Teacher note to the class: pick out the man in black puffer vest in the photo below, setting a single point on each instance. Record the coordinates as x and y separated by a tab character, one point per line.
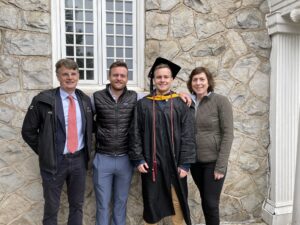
112	170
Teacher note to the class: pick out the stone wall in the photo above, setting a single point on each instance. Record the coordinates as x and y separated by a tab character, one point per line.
25	68
227	36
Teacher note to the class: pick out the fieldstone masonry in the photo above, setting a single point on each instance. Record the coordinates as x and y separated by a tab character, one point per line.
227	36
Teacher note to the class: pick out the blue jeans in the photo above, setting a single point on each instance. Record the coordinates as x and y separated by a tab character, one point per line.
72	171
112	176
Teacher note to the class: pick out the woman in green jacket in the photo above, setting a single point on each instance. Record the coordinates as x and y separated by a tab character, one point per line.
214	136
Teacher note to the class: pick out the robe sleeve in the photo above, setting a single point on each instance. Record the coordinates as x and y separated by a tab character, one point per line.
187	142
135	136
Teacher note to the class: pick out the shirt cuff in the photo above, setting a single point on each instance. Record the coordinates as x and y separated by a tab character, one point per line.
185	167
136	163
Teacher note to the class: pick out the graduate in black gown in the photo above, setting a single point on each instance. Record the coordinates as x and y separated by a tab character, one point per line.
162	146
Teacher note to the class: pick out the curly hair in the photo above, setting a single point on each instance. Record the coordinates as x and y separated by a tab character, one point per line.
209	76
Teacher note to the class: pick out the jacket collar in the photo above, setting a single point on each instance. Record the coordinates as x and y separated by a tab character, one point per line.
48	96
109	91
208	96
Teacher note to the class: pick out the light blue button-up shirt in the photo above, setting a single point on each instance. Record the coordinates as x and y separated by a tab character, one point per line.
65	101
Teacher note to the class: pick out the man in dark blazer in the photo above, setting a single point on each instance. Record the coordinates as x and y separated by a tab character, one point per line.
58	128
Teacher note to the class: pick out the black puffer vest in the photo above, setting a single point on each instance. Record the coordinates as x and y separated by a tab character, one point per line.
113	120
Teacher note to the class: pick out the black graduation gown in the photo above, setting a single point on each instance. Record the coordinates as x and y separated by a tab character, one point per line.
157	195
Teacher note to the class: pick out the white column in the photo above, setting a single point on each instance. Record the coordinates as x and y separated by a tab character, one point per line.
284	109
295	16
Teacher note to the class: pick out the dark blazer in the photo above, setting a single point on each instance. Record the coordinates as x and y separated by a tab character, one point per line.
44	128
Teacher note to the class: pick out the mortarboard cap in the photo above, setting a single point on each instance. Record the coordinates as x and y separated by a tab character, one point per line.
174	69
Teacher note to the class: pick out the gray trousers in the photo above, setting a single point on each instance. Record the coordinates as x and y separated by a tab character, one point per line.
112	177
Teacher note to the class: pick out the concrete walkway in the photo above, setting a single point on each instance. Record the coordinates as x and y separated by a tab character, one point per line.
241	223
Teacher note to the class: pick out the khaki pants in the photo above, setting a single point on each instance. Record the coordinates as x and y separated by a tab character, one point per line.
177	219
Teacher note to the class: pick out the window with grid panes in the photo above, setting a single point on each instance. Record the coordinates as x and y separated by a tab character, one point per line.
96	33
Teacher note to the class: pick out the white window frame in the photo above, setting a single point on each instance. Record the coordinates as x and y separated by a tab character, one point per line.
58	37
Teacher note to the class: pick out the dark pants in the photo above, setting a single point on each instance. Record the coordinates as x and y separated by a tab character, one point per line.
210	190
72	171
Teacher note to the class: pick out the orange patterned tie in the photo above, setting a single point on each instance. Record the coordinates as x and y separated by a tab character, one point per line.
72	139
